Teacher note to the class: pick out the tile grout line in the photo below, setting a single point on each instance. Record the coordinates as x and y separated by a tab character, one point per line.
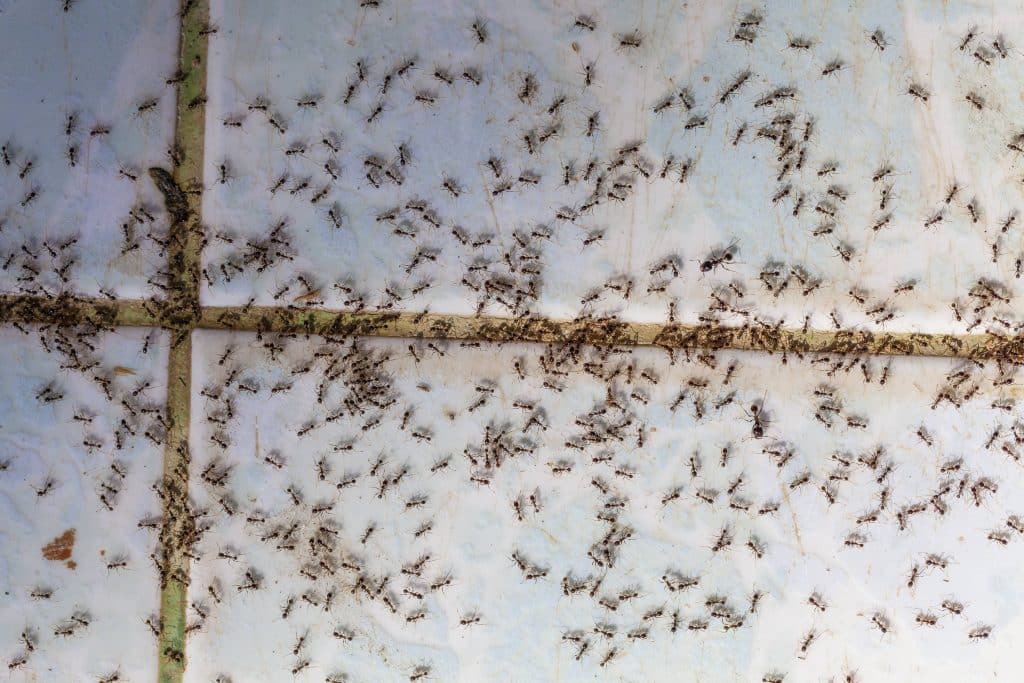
68	310
607	332
183	200
610	332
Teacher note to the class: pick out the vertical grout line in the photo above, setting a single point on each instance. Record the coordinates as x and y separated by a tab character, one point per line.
183	197
178	528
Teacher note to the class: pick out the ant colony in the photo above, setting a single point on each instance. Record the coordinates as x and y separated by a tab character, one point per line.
436	505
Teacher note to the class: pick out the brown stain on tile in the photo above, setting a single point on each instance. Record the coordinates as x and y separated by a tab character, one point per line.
60	548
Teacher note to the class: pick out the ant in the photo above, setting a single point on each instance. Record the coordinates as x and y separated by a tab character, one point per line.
878	38
585	22
760	420
718	257
631	40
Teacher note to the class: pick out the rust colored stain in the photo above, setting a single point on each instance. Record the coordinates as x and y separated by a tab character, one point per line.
59	549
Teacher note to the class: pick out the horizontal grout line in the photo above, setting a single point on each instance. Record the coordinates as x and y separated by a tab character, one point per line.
609	333
66	310
606	332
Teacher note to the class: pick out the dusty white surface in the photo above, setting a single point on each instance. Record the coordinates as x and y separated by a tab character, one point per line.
299	62
103	60
476	528
41	441
99	62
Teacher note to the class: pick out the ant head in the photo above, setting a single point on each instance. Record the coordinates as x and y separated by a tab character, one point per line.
705	266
